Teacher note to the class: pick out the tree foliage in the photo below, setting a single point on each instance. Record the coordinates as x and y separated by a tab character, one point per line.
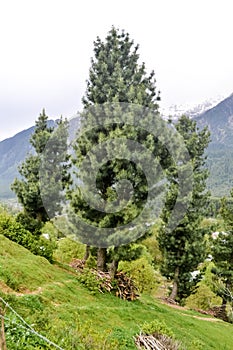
184	247
222	251
115	77
28	187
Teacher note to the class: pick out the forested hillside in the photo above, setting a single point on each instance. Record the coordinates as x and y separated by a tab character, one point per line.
220	150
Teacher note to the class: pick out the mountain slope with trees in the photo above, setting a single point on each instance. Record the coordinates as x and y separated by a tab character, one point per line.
219	121
219	152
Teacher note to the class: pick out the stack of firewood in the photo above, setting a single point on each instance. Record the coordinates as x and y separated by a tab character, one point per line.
106	281
122	285
77	264
126	288
158	342
220	312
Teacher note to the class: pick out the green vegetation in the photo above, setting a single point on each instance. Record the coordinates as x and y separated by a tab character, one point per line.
174	257
52	300
184	248
115	77
50	146
11	228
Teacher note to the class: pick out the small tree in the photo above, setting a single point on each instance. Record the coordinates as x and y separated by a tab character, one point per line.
183	248
28	187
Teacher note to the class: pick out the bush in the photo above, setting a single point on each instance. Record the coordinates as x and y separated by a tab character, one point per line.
90	280
203	298
13	230
43	247
143	274
67	249
157	327
16	232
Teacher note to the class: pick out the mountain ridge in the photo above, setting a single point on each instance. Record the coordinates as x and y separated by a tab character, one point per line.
219	120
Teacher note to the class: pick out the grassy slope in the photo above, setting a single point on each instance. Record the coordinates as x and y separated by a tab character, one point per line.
54	301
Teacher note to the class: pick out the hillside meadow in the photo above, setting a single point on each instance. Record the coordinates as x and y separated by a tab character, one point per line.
51	299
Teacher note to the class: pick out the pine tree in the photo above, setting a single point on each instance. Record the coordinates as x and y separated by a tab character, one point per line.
28	188
115	77
222	251
183	247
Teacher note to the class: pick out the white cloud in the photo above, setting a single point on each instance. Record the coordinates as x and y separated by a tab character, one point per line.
46	48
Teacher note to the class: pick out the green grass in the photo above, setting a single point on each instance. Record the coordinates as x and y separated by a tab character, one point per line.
52	299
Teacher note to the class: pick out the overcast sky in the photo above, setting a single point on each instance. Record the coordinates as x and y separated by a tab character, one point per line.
46	46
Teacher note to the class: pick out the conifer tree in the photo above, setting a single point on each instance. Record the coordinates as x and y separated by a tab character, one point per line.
28	187
116	77
183	247
222	251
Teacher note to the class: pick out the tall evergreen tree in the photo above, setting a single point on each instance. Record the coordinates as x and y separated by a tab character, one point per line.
183	247
115	77
28	188
222	251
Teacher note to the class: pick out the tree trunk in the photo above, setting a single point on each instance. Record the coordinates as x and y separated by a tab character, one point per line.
113	268
222	313
39	216
174	292
87	253
102	259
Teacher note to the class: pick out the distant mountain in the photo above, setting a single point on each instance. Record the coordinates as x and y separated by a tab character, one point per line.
220	151
219	120
13	152
192	110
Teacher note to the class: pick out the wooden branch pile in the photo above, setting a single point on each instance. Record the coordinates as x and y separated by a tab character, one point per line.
215	311
122	284
220	312
77	264
106	281
126	288
155	342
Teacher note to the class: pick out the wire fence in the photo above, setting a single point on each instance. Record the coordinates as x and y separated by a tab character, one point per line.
26	326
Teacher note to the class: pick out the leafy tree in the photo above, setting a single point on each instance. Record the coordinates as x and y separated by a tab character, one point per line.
28	187
115	77
183	248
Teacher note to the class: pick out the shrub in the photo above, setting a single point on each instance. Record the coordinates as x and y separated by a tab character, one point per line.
16	232
157	327
89	280
203	298
67	249
143	274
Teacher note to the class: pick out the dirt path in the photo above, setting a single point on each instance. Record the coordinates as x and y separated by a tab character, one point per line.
178	307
